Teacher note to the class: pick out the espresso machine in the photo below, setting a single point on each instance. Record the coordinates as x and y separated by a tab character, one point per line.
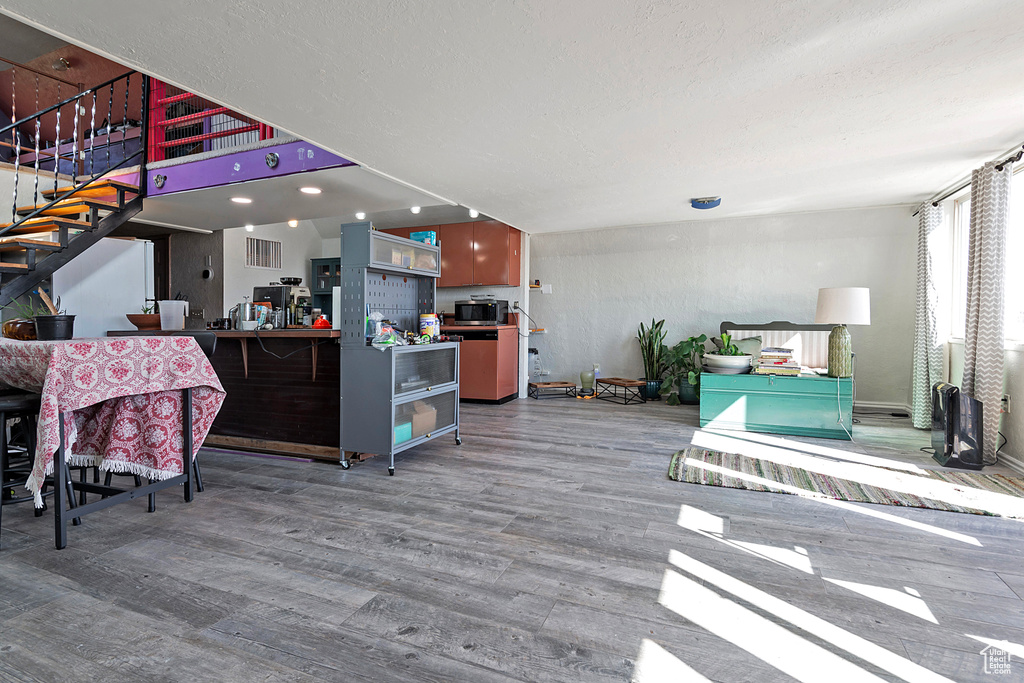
289	299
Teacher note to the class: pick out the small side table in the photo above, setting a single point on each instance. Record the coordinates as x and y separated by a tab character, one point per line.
632	390
534	389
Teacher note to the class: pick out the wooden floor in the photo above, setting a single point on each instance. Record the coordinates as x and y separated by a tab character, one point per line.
550	546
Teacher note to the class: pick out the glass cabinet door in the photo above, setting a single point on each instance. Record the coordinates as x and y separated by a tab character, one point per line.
418	370
326	274
421	417
403	255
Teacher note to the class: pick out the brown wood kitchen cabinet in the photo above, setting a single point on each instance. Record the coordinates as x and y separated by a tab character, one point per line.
476	253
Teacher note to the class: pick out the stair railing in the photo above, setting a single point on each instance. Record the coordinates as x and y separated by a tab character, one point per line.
90	97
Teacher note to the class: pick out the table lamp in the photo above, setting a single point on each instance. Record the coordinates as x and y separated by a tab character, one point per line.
842	306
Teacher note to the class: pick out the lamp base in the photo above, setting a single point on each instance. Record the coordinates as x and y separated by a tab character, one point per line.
840	352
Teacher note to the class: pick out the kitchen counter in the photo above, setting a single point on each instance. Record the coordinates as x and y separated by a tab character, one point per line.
283	390
488	362
305	332
469	328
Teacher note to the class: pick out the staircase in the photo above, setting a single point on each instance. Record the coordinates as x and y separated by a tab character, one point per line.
63	222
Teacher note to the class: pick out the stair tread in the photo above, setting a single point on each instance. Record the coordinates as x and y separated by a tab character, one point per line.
40	223
74	205
29	240
108	187
13	268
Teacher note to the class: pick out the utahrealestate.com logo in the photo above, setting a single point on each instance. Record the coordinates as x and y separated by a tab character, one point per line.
996	661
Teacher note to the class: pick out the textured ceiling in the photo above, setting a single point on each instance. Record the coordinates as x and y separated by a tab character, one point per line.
596	113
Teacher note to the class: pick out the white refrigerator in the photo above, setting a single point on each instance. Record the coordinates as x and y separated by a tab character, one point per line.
110	279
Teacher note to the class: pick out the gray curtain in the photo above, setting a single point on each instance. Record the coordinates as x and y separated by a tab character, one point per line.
927	349
983	341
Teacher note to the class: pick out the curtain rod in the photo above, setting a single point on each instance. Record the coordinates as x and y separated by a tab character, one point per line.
999	167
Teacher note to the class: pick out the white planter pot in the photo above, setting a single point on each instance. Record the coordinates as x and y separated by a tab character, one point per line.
713	360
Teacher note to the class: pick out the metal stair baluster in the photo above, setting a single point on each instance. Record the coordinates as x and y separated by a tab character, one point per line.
92	133
16	139
39	120
74	147
124	121
56	149
110	121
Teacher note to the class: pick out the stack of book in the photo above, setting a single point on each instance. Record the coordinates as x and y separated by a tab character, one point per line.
776	361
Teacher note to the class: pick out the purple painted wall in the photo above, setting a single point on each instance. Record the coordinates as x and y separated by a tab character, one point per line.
241	167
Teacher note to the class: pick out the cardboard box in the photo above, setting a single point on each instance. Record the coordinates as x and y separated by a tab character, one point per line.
424	420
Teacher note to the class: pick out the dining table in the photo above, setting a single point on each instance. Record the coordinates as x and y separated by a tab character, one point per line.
126	405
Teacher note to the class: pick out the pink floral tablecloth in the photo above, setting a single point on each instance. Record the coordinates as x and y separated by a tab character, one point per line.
121	398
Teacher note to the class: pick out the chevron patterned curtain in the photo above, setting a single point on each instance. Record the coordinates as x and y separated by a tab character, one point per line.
983	341
927	349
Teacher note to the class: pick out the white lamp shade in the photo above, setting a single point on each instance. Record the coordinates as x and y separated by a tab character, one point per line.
843	306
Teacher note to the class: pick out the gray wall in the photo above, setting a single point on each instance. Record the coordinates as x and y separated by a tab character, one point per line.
188	259
697	274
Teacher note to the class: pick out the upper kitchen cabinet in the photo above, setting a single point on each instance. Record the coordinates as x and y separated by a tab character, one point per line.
476	253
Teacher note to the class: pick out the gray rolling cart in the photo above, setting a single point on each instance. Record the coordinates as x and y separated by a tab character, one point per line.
400	397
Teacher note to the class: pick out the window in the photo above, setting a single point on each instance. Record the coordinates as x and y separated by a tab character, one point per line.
262	253
1013	317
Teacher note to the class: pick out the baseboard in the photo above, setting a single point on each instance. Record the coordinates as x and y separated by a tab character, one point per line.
881	407
1011	462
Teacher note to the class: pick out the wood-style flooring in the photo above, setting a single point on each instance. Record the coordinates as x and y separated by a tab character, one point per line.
550	546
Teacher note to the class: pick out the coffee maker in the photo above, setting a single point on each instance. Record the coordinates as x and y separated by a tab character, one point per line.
286	298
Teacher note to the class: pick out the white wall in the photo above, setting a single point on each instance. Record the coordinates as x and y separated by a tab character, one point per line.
107	281
747	270
298	246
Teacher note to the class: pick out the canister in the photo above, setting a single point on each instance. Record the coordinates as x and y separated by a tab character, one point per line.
429	325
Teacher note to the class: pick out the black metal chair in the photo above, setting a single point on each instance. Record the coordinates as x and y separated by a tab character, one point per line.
17	454
207	342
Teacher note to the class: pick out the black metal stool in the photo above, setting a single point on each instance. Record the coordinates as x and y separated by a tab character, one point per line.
16	460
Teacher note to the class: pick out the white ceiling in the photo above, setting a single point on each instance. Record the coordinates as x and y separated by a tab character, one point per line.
595	113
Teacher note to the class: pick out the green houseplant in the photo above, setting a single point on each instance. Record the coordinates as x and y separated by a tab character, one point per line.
728	357
652	350
682	379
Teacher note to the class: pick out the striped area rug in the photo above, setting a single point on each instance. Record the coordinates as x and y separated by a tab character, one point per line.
713	468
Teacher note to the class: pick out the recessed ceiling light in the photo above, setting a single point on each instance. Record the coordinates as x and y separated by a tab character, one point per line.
415	209
248	228
241	200
360	215
293	223
473	213
310	190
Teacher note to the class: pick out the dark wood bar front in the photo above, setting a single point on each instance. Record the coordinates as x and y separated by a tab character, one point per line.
283	391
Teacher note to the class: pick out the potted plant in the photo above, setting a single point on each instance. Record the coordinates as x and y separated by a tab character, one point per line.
652	350
50	323
682	377
147	320
56	325
728	358
23	327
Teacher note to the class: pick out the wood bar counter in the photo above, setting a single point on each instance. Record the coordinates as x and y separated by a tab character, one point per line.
288	405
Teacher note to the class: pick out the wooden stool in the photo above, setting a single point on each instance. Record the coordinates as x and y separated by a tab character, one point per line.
632	390
533	389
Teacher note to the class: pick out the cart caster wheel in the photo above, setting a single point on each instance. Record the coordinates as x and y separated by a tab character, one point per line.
345	464
458	441
391	471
